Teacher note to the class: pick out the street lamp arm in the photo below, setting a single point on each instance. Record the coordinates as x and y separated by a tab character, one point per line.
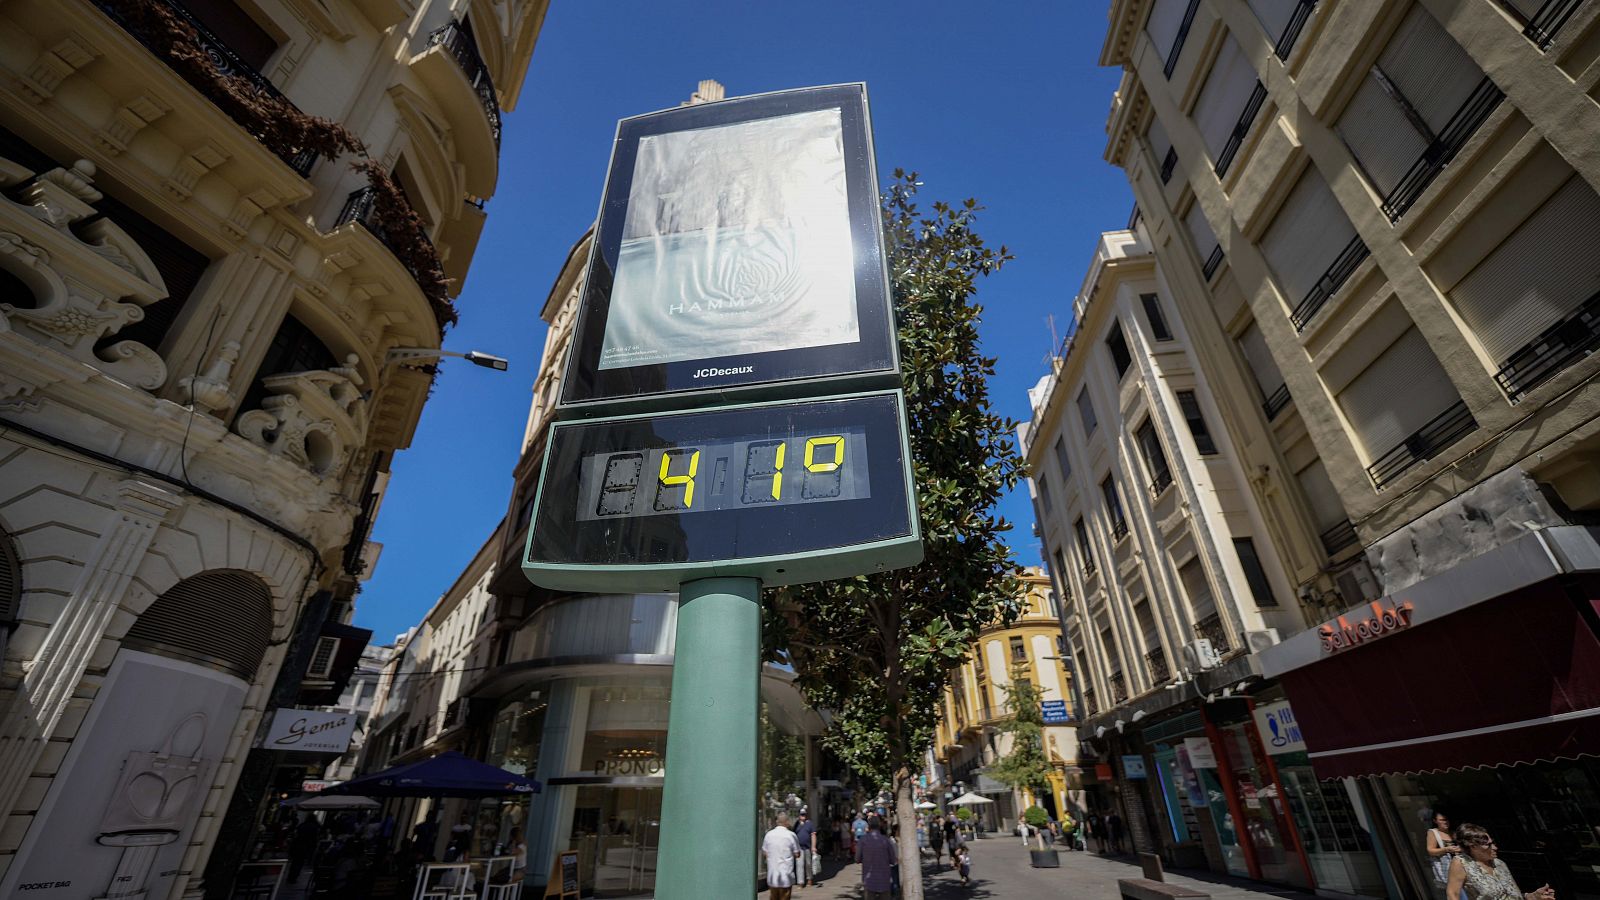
476	357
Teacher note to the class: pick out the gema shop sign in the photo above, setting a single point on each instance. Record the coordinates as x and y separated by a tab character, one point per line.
1376	621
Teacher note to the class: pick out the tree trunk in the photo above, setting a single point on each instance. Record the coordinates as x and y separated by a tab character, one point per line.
910	852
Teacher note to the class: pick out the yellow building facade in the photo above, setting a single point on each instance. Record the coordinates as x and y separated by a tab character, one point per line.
974	707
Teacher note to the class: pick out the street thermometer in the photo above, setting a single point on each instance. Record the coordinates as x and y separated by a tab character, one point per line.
731	415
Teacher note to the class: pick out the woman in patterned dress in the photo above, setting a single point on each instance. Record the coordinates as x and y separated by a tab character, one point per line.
1479	870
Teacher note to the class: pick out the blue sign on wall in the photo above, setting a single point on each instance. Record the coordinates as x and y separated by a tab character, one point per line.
1055	712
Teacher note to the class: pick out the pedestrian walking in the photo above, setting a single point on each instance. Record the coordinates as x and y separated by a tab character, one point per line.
876	853
781	850
302	845
936	839
1114	832
1478	873
952	836
858	830
806	835
961	858
1442	848
1095	827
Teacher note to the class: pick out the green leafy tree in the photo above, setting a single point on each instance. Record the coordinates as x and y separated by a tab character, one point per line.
1025	766
877	650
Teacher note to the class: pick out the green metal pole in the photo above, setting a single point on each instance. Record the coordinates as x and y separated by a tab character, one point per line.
708	806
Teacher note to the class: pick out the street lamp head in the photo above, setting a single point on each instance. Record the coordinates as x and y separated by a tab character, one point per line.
478	358
416	354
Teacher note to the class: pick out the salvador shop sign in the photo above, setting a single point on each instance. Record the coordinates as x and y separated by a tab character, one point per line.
1358	627
310	730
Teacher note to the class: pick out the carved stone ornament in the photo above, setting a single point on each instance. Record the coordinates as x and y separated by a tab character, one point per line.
209	390
313	419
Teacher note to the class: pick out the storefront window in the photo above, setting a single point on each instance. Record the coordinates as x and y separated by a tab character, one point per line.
1265	822
513	746
1337	839
626	735
616	831
1171	782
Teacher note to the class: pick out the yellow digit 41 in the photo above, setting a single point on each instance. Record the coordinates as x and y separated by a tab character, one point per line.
836	441
686	480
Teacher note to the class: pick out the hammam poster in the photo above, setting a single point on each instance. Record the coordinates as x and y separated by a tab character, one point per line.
736	241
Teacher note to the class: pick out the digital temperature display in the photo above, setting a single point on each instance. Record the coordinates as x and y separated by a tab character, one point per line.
783	491
750	471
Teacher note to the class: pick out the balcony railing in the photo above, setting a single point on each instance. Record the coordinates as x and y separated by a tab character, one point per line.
1119	528
1212	262
362	207
1119	688
1088	568
1157	661
1339	537
1183	35
1445	429
1438	154
1562	344
1275	403
1090	702
1291	30
226	62
1343	265
1168	164
1211	629
465	50
1162	481
1252	106
1542	27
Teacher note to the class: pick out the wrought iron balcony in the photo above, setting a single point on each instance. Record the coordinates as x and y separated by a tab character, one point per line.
461	45
1212	263
362	207
1088	566
1292	29
1274	404
1211	629
1090	702
1247	117
1163	480
1157	661
1438	154
1445	429
1541	28
1119	528
1562	344
1183	35
226	62
1168	164
1343	266
1339	537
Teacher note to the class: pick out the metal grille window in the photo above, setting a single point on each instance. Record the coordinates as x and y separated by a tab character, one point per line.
1190	404
1534	303
1205	240
1224	98
1117	343
1311	246
1119	522
1085	555
1158	322
1155	458
1402	407
218	619
322	658
1061	458
1414	110
1274	392
1254	573
1086	412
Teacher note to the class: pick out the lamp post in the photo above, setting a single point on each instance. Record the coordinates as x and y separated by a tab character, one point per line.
476	357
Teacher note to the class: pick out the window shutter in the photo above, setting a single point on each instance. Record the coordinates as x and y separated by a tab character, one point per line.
1198	589
1158	322
1086	412
10	579
1274	15
217	619
1548	267
1061	458
322	658
1306	236
1403	389
1166	18
1044	495
1383	140
1326	507
1147	624
1223	97
1259	358
1429	68
1205	240
1160	143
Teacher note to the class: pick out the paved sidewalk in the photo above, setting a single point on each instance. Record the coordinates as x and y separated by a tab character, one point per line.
1000	869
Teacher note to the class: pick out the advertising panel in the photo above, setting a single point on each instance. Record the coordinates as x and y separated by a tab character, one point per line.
310	730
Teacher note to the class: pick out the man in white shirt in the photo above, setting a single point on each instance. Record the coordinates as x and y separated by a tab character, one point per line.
781	850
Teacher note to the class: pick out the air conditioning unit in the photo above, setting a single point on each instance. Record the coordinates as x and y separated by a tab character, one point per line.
1258	641
1357	585
1199	655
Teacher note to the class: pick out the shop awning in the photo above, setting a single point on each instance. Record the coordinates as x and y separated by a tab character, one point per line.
1512	680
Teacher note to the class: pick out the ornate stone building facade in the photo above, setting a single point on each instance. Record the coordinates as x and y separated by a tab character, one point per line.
198	297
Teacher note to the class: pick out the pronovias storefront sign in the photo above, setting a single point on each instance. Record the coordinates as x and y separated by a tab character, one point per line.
310	730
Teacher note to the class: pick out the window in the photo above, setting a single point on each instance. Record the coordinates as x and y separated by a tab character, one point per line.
1052	603
1274	393
1155	459
1190	404
1019	653
1202	605
1117	343
294	348
1327	510
1224	99
1158	322
1061	572
1086	412
1168	26
1534	310
977	662
1061	458
1161	150
1119	523
1044	495
1541	19
1282	21
1254	574
1311	246
321	664
1085	556
1404	408
1146	617
232	26
1205	240
1414	110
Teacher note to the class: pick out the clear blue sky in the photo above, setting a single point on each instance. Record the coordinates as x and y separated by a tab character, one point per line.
1001	102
